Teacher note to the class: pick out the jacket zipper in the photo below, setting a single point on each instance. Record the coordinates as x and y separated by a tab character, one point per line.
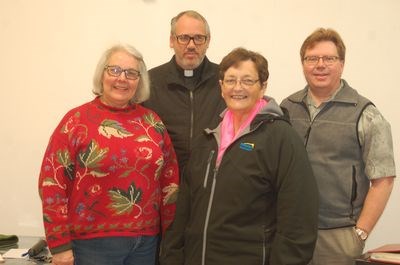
266	231
263	251
203	254
210	156
191	119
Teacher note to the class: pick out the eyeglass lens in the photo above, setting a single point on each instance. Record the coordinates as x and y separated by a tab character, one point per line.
244	82
116	71
197	39
328	60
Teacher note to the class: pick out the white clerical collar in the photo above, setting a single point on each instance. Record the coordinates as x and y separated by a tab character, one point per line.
188	73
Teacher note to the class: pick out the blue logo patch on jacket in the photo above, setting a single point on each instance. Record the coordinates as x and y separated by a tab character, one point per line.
247	146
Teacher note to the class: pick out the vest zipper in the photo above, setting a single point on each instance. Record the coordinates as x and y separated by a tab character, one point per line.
307	135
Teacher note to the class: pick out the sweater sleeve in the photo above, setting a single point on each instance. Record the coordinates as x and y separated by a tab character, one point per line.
169	181
297	203
55	182
172	244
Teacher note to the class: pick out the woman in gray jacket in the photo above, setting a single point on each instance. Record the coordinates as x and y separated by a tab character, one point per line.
248	195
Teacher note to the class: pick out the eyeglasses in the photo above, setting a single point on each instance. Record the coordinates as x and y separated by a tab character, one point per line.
230	83
115	70
197	39
313	60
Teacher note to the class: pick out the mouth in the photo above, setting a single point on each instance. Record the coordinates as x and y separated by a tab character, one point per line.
121	88
238	97
191	54
320	73
321	76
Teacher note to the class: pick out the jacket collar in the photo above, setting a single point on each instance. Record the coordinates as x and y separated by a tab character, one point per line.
270	111
175	73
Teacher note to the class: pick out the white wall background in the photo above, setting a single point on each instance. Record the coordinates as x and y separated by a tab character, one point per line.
49	49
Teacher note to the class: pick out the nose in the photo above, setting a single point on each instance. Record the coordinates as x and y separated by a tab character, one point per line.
191	43
122	76
320	62
238	84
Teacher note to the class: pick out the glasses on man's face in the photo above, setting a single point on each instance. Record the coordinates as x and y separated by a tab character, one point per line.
115	70
313	60
247	82
197	39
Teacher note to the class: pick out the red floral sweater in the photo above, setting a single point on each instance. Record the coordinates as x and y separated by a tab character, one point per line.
107	172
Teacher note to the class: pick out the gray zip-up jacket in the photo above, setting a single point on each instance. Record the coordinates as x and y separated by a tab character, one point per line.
258	207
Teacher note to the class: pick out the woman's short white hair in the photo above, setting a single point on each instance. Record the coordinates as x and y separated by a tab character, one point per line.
143	89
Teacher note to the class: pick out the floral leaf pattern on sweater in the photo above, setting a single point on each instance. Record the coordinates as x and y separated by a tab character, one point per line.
141	153
171	193
64	159
158	125
159	163
151	122
90	160
71	126
124	201
110	128
63	162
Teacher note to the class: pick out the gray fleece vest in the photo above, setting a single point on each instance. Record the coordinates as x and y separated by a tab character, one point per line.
335	154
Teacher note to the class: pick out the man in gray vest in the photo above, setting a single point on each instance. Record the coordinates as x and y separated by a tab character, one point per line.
350	148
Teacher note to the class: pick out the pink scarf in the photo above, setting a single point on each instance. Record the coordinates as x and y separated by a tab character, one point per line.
227	131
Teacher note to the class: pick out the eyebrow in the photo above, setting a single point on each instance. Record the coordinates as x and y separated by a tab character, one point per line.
246	75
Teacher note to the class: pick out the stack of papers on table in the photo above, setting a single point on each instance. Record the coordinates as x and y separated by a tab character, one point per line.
16	253
389	253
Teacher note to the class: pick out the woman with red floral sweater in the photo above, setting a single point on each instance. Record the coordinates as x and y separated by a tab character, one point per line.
109	176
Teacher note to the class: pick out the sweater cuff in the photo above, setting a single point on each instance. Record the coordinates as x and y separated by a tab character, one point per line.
61	248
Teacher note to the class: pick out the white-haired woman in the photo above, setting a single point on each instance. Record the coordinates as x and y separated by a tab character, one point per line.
109	175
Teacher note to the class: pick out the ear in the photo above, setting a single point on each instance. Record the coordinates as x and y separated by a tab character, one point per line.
263	88
220	85
171	41
341	67
208	40
264	85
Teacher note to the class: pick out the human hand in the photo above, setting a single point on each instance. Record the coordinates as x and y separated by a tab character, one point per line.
63	258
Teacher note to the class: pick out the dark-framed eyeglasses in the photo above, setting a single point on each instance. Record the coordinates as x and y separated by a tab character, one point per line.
115	70
247	82
313	60
198	39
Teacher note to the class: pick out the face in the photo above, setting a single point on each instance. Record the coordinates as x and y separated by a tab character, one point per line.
189	56
118	91
321	77
241	98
